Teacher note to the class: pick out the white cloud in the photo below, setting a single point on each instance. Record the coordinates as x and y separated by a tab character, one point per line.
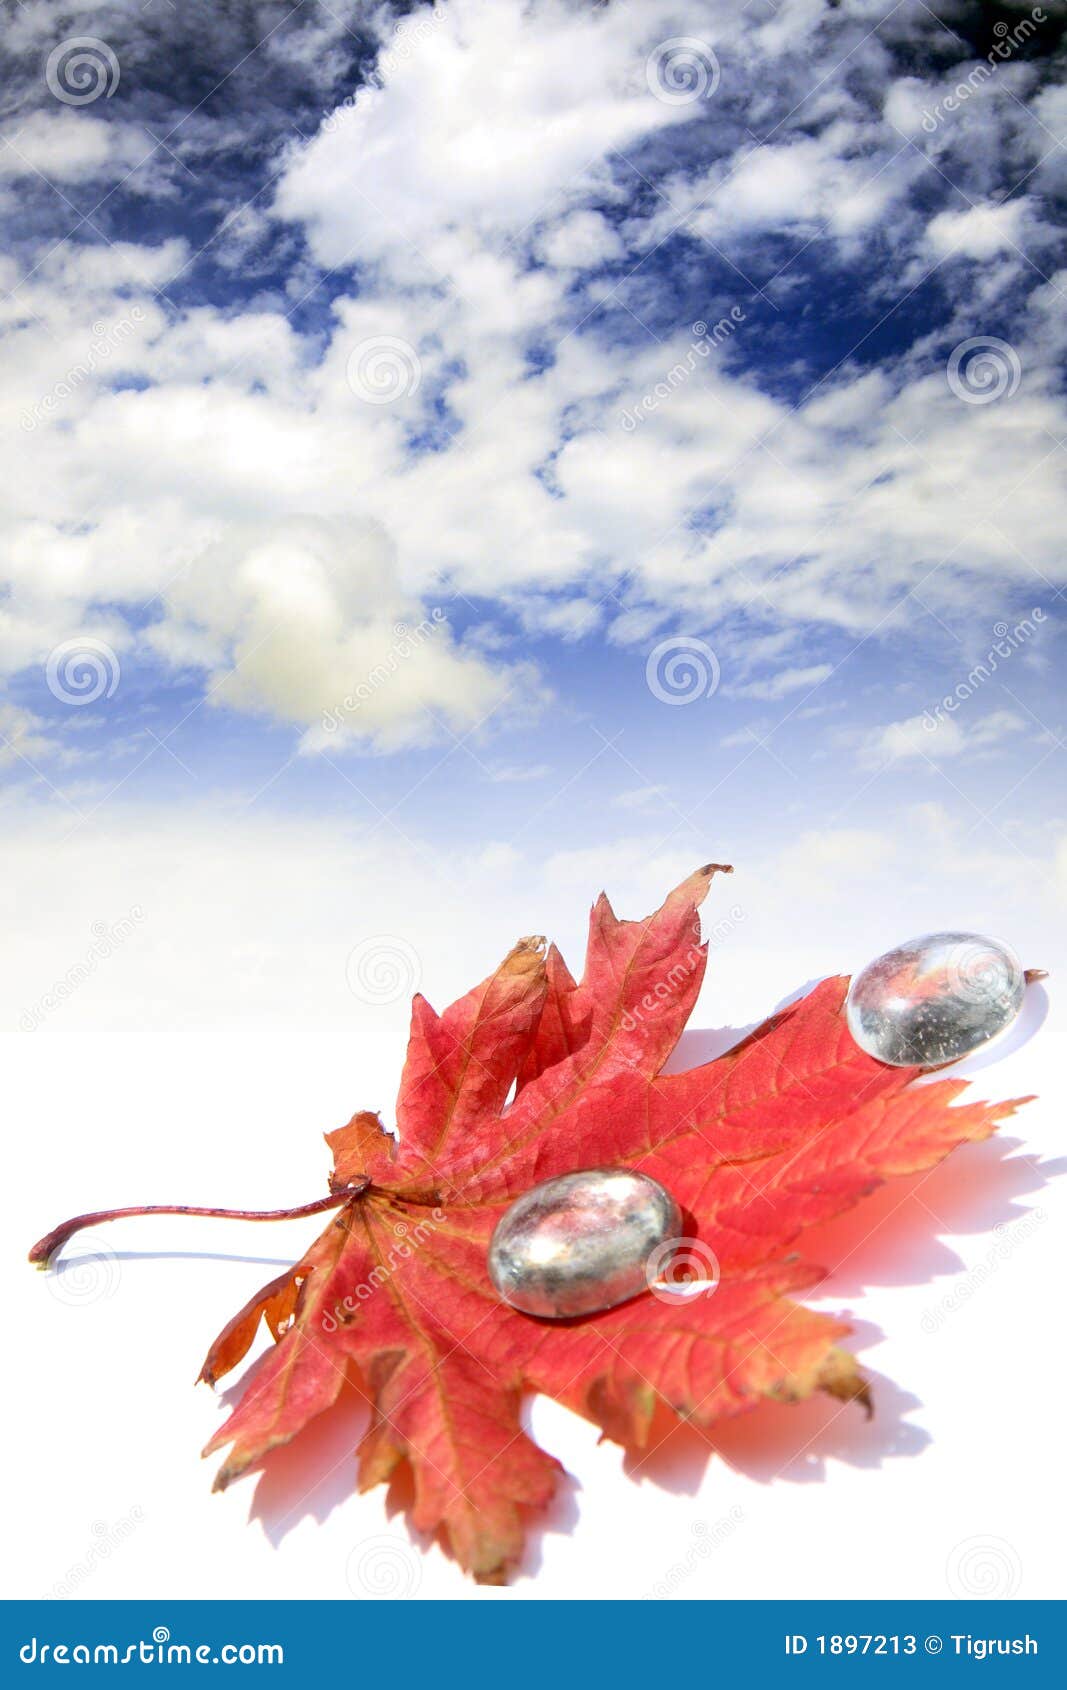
925	738
979	232
827	183
21	736
581	241
997	726
511	773
498	858
641	798
304	621
70	146
936	736
491	119
786	681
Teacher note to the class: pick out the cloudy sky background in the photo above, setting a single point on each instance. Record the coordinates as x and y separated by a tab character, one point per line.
520	448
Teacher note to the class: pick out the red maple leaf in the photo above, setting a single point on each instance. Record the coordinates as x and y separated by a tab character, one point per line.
790	1127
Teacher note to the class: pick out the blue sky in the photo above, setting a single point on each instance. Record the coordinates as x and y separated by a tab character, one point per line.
602	333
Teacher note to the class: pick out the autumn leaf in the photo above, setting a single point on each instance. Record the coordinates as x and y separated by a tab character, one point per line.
793	1125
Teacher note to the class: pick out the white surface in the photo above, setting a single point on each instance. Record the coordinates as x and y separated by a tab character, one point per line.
225	1105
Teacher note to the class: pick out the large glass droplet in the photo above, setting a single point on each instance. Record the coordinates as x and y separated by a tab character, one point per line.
934	999
581	1243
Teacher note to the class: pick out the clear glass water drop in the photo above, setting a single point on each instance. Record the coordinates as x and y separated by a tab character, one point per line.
934	999
582	1242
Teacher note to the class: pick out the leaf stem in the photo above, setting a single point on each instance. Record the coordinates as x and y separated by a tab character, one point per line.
52	1242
